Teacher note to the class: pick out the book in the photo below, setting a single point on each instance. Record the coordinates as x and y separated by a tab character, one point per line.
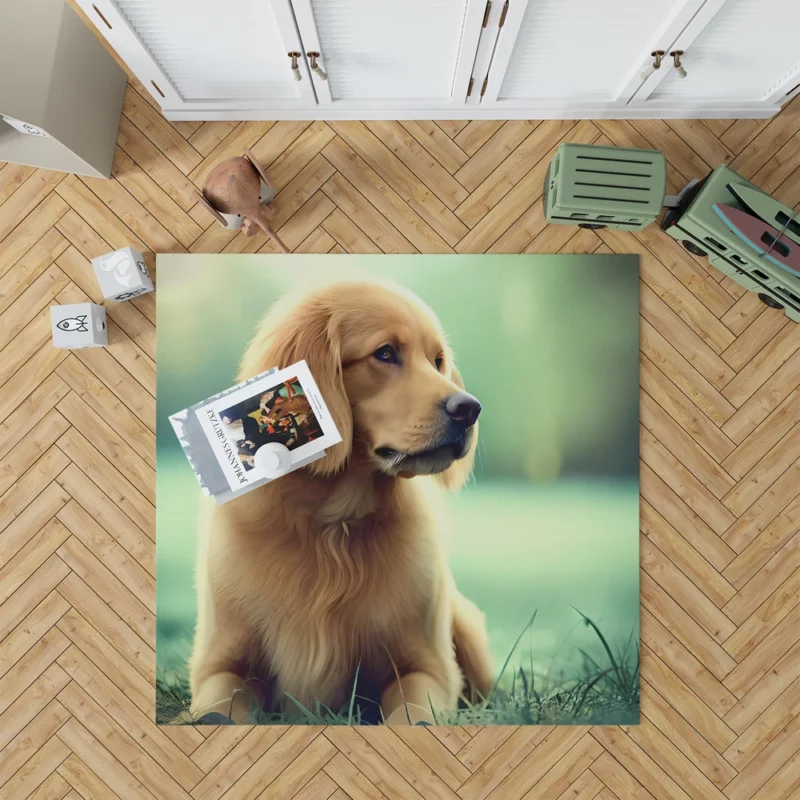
226	437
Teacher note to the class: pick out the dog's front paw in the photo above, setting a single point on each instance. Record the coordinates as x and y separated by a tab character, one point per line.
214	718
410	715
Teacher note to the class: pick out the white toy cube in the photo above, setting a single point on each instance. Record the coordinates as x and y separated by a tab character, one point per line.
79	325
122	274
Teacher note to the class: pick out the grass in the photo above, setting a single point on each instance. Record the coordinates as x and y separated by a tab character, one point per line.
602	691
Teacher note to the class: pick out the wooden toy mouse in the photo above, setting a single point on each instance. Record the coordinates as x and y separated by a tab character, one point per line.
233	188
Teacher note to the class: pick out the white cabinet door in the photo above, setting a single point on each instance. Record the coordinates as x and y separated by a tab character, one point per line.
208	54
380	55
576	54
430	59
735	51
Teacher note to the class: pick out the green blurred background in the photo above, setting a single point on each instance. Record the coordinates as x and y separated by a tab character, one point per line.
550	346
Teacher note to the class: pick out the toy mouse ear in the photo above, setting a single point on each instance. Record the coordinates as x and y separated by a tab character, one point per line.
248	154
214	213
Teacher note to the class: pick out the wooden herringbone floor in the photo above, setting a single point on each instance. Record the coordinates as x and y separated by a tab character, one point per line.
720	406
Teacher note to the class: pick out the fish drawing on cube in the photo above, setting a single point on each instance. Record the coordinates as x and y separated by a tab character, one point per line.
122	275
79	325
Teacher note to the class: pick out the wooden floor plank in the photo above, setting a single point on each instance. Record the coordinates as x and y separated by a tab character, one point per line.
209	135
684	556
30	267
109	516
385	200
402	181
377	229
681	445
100	762
85	783
678	731
356	785
493	152
476	133
26	508
34	736
344	230
96	702
100	652
37	296
769	137
453	127
285	151
38	768
437	143
152	197
419	161
534	149
686	593
174	182
108	478
777	584
283	750
683	374
32	192
91	606
28	233
764	730
227	754
12	176
31	702
661	136
30	630
159	131
760	697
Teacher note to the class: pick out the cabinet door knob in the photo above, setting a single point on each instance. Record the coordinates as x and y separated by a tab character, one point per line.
676	60
295	66
657	56
313	56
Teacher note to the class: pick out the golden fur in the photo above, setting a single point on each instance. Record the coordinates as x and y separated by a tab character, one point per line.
344	562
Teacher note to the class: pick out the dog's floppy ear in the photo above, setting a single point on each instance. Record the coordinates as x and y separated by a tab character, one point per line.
307	332
457	474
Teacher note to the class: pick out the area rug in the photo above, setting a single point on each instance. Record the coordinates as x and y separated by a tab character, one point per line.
466	552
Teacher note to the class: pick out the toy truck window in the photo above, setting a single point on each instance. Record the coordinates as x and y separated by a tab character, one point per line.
715	243
791	225
786	293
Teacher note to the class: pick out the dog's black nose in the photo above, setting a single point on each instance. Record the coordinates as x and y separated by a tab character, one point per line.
463	409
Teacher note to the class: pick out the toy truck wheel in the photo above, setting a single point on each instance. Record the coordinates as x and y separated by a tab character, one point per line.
592	226
769	301
693	248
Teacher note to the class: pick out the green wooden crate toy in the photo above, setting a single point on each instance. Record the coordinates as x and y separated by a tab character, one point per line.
599	187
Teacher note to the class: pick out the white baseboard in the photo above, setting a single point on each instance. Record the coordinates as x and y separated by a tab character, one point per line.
609	111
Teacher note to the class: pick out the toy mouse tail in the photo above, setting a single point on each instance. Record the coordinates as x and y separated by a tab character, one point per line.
267	228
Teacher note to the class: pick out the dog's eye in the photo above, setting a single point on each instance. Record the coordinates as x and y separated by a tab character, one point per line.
387	354
439	361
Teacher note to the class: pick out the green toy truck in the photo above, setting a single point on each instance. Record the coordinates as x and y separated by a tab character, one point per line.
701	231
597	187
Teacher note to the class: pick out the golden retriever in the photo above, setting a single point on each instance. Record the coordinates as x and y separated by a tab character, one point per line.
343	564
